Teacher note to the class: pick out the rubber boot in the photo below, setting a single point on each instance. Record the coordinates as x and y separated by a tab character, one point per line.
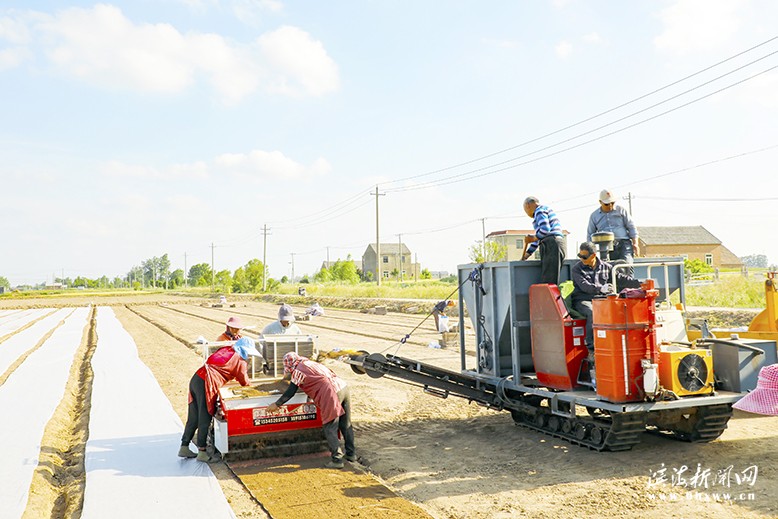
205	458
184	452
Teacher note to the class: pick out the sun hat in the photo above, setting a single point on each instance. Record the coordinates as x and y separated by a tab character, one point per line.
245	347
606	197
285	313
291	360
763	399
234	322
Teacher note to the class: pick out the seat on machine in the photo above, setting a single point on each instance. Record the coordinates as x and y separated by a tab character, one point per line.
558	346
566	290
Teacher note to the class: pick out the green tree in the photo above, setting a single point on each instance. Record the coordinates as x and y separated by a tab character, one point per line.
323	276
5	283
223	281
492	251
696	266
239	281
255	274
176	278
200	275
345	270
425	274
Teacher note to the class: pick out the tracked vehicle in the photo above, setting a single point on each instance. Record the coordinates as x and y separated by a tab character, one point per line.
530	359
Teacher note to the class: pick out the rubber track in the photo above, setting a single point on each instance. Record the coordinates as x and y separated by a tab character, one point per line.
621	433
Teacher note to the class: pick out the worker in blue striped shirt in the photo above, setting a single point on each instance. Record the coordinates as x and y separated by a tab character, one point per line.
548	238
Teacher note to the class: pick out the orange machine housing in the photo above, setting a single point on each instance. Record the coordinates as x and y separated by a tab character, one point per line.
557	339
624	334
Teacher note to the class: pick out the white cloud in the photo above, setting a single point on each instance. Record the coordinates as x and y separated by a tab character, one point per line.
14	31
101	46
563	49
592	37
693	25
251	12
256	165
294	54
10	58
262	165
115	168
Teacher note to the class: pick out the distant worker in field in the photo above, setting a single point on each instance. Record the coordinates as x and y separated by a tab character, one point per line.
225	364
440	310
232	333
610	217
591	278
331	396
548	238
284	325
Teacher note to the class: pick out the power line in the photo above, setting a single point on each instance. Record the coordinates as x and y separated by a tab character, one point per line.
458	178
588	118
675	172
680	199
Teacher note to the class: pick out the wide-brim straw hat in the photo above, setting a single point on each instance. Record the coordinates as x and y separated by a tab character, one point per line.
234	322
763	399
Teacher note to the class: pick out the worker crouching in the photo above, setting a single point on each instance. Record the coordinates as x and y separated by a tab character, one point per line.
225	364
331	396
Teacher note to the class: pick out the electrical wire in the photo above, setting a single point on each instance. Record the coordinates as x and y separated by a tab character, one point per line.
458	178
583	121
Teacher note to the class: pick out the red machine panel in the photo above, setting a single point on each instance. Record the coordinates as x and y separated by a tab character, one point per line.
557	339
248	415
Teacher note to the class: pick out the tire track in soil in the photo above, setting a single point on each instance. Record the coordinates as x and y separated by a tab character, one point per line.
57	487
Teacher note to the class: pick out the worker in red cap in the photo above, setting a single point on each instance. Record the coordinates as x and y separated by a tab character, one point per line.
225	364
331	396
232	333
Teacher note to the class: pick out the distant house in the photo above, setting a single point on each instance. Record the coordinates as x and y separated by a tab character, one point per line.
392	258
513	240
694	242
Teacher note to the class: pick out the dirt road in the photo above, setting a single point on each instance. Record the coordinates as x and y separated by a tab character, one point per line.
458	460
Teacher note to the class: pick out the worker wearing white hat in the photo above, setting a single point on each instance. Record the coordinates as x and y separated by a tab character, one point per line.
613	218
284	325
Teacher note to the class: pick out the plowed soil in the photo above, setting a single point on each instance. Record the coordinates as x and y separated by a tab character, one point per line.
446	458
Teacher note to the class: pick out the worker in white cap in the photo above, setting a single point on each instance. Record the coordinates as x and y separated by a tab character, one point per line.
610	217
284	325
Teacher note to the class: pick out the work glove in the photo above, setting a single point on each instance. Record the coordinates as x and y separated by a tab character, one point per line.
607	288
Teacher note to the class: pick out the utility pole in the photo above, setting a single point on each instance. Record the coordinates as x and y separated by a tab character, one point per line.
186	275
629	201
212	272
400	254
378	258
264	257
328	257
292	280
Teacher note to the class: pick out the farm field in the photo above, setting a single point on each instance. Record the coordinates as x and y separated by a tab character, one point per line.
428	456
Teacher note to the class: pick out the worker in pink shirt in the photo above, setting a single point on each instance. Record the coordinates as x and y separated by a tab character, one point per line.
331	396
225	364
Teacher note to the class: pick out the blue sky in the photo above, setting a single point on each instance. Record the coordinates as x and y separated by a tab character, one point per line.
133	129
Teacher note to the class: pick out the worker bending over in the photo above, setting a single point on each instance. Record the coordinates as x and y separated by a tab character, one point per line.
225	364
331	396
592	277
